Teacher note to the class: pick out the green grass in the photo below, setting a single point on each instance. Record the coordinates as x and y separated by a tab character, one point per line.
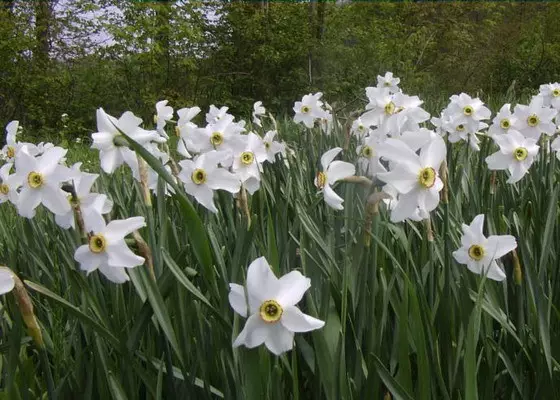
401	315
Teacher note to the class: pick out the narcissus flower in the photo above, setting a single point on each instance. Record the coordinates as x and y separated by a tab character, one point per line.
368	158
11	147
106	249
164	113
272	148
6	280
533	120
388	81
309	109
415	177
463	109
480	253
202	176
8	185
41	178
270	304
332	172
516	154
247	160
551	95
185	129
258	111
217	114
503	121
223	135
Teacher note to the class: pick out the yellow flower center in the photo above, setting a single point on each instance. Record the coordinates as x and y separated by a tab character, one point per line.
97	243
247	157
216	139
505	124
177	131
267	145
387	83
460	128
321	180
198	176
271	311
476	252
361	128
390	108
4	189
556	92
533	120
367	151
427	177
468	111
520	153
305	109
35	180
11	152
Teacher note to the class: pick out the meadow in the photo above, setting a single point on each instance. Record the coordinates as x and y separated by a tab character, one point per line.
402	317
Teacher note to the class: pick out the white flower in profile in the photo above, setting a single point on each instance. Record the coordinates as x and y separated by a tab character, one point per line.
414	176
7	282
394	200
502	122
534	119
368	158
388	81
8	185
272	148
88	202
185	128
270	305
202	176
41	178
516	154
247	160
217	114
480	253
106	249
332	172
8	152
112	154
164	113
551	95
258	111
309	109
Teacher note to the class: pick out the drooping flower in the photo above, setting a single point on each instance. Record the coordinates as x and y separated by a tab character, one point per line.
309	109
270	305
106	249
415	177
164	113
332	172
202	176
516	154
258	111
272	147
533	120
480	253
41	178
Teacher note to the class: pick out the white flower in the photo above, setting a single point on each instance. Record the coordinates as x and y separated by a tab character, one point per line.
555	146
8	185
480	253
332	172
368	158
309	109
202	176
359	129
41	179
516	154
465	110
458	130
185	128
223	135
7	282
414	176
534	119
217	114
394	201
164	113
272	148
326	123
389	82
270	304
258	111
112	154
246	161
502	122
551	95
107	250
11	147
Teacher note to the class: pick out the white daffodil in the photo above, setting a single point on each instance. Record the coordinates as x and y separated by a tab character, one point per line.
414	176
458	131
534	119
258	112
480	253
309	109
223	135
88	202
502	122
247	161
551	95
185	128
516	154
11	147
463	109
368	158
555	146
41	178
164	113
7	282
112	154
106	249
380	106
272	148
359	129
407	114
217	114
8	185
332	172
270	305
388	81
326	123
202	176
394	201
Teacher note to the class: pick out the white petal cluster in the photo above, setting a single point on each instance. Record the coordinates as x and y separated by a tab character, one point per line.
309	110
269	304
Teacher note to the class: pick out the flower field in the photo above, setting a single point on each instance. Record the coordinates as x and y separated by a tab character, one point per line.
385	252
